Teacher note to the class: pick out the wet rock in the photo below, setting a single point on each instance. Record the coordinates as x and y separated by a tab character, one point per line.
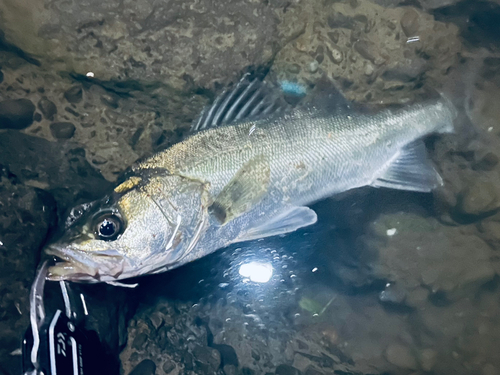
156	319
61	169
367	49
487	162
286	370
392	294
168	366
207	358
313	371
479	198
48	108
428	358
109	99
409	22
26	215
489	369
227	354
490	231
339	20
401	356
406	71
16	113
1	76
140	341
74	94
146	367
414	251
368	34
131	46
62	130
230	370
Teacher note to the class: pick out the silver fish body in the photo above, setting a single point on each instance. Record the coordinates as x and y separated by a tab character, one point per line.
249	180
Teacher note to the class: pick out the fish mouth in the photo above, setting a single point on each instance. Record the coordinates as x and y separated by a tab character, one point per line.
74	265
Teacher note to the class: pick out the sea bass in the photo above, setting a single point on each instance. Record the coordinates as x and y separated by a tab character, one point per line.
249	171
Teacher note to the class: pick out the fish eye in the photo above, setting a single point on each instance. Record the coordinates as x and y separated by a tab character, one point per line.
108	227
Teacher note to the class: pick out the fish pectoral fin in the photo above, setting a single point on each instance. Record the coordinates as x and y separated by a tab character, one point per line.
410	170
244	191
290	221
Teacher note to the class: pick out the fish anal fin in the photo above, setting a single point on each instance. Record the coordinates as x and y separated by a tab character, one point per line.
289	221
410	170
244	191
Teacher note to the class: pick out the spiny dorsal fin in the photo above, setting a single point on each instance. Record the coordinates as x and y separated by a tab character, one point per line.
250	99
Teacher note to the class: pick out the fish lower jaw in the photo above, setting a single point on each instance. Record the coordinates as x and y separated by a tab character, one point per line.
67	270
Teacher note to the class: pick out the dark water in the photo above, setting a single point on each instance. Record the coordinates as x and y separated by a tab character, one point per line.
386	282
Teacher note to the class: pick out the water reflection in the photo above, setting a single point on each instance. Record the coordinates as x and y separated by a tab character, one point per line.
257	272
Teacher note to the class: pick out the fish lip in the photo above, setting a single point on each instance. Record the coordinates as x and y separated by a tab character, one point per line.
75	265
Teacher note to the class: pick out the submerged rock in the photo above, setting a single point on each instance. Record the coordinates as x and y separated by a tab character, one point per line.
422	251
356	45
16	113
401	356
26	215
142	45
62	130
146	367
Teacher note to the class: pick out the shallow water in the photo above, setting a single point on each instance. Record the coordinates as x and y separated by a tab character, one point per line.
387	282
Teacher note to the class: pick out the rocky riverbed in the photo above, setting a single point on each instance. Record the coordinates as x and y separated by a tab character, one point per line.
386	283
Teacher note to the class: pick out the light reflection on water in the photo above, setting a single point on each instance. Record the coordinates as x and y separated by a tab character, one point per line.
257	272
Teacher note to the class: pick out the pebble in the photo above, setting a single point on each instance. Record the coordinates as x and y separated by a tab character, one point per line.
366	49
479	198
313	371
62	130
335	55
428	359
487	163
369	69
228	354
229	370
16	113
111	100
286	370
48	108
294	68
392	294
168	366
313	66
491	229
155	318
146	367
74	94
489	369
139	341
209	357
409	22
400	356
99	160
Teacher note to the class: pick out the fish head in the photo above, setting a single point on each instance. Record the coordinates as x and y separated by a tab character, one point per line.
148	225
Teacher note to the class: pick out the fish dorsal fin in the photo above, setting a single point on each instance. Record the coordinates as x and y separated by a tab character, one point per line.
250	99
287	222
410	170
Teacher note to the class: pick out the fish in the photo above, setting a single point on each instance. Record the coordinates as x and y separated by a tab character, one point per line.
250	169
